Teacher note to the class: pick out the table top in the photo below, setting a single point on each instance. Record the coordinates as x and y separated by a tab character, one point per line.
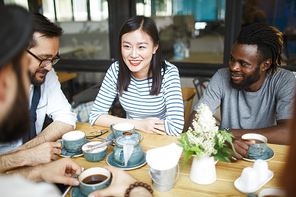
227	173
65	76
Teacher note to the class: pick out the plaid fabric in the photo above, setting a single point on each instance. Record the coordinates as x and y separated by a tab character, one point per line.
83	111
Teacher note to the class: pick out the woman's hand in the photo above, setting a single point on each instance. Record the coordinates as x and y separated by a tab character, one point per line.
151	125
121	180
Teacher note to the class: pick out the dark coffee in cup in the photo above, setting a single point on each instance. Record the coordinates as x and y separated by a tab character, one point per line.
94	179
127	133
256	141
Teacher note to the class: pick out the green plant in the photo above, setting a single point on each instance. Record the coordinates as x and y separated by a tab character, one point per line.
205	139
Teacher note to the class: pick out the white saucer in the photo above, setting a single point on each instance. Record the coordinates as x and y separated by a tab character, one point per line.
238	187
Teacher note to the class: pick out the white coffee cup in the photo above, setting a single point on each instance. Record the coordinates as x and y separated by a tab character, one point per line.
271	192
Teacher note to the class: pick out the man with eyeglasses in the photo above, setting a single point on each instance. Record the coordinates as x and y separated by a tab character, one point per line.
46	98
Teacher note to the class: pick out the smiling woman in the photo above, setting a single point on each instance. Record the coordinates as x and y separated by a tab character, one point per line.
148	87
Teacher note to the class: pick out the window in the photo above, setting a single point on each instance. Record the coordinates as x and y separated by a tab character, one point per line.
281	14
85	27
191	31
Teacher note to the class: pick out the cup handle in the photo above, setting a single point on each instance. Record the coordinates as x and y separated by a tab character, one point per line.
61	140
117	153
111	127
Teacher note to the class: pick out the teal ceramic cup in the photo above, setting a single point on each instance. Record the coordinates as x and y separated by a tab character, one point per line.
260	145
137	151
88	181
122	129
94	155
73	141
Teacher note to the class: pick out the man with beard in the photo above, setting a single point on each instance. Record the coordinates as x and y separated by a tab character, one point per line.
16	29
254	93
39	147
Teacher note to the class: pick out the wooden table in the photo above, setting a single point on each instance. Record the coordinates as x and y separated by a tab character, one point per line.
65	76
227	173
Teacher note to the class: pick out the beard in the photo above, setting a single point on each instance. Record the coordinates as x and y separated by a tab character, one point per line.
247	81
17	122
33	78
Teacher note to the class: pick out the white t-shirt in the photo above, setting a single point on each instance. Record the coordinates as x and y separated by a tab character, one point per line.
52	102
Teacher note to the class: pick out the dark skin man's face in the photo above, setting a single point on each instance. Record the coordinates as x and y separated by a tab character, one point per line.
245	73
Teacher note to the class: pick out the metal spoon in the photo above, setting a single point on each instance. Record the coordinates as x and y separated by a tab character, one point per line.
89	148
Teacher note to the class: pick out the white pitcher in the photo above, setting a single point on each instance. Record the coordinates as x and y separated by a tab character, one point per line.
203	170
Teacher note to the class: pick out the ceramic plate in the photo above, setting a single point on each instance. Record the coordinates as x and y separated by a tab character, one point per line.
238	187
75	192
68	154
110	161
111	136
268	155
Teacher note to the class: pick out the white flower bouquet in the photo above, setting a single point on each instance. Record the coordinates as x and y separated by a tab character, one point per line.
205	139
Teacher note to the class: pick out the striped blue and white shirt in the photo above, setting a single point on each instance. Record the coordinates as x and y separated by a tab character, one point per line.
138	104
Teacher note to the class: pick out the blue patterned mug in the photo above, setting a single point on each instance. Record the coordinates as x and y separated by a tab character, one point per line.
96	154
73	141
137	151
122	129
260	145
93	179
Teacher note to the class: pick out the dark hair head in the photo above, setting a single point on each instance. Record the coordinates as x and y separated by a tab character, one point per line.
269	41
124	76
16	30
42	25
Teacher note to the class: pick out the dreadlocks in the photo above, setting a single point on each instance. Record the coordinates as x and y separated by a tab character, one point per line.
269	41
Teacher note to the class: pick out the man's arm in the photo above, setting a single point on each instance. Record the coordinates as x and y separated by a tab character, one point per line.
60	171
41	154
278	134
51	133
191	118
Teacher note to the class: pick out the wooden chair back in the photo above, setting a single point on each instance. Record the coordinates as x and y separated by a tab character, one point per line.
187	95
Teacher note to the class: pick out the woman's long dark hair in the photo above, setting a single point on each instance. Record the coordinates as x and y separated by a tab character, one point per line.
124	75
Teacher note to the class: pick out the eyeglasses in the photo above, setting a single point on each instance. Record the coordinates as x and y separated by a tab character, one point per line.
46	62
97	134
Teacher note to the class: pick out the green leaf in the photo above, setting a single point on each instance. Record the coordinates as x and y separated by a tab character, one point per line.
228	137
186	157
195	149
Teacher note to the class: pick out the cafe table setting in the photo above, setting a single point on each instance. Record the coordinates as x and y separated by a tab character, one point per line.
226	172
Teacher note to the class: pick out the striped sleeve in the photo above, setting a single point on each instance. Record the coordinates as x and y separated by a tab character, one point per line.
106	94
174	120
